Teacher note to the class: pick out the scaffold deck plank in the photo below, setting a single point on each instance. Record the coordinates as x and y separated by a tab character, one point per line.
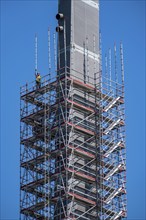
83	199
82	175
79	151
40	91
81	129
35	207
32	139
32	214
34	184
36	192
39	148
77	105
35	161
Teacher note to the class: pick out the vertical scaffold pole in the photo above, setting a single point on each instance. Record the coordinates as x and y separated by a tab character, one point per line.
110	69
36	53
96	121
55	51
87	49
106	69
100	54
49	54
99	128
106	73
115	55
122	68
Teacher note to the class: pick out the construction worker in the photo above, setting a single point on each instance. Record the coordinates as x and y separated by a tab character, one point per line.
38	80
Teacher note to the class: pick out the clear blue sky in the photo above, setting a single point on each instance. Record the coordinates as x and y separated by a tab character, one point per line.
120	21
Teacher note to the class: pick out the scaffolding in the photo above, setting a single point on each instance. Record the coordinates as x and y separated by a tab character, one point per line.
73	148
72	140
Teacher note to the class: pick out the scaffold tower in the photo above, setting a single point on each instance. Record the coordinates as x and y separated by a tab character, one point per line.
72	133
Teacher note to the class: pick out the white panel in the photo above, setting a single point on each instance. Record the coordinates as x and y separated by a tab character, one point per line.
91	3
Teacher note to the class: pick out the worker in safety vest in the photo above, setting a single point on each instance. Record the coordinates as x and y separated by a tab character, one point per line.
38	80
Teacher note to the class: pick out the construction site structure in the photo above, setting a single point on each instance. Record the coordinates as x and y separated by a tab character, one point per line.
72	133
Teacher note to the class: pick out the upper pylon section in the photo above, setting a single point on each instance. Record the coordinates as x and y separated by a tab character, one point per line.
78	29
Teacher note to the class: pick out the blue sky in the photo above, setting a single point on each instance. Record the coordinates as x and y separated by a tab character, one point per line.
120	21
